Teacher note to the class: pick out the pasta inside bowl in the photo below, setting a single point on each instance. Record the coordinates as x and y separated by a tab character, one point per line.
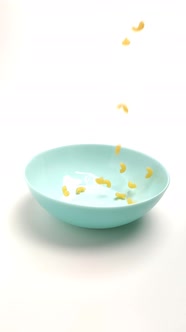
96	186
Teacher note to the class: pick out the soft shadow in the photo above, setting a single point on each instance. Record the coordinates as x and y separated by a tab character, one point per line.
37	225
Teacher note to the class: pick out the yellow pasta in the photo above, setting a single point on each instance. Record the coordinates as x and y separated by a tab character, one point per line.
149	172
126	42
130	200
131	185
65	191
124	107
117	149
139	27
123	167
120	195
101	180
80	190
108	183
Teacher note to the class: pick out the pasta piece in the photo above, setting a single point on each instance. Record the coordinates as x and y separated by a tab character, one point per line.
65	191
80	190
120	195
130	200
126	42
149	172
131	185
124	107
139	27
64	188
123	167
108	183
101	180
117	149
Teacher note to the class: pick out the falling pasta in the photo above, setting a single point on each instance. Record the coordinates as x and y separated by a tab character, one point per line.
117	149
123	167
126	42
139	27
149	172
131	185
120	195
65	191
124	107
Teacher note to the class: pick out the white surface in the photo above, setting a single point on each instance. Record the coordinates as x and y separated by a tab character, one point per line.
63	71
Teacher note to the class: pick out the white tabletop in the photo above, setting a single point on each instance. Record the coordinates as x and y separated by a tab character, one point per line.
63	71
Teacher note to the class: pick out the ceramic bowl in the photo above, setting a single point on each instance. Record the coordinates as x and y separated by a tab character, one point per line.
98	207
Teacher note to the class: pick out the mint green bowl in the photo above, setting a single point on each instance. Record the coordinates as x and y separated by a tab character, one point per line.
97	207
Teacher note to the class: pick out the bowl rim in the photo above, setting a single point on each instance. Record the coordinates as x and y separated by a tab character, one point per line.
66	203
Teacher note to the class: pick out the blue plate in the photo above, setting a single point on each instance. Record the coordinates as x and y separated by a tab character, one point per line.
97	207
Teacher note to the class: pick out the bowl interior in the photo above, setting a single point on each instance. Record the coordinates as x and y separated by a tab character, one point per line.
79	165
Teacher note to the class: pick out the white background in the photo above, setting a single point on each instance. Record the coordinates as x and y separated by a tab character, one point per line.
63	70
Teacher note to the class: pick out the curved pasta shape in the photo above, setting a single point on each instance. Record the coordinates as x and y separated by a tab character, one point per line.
101	180
80	190
149	172
117	149
65	191
124	107
132	185
139	27
123	167
126	42
130	200
120	195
